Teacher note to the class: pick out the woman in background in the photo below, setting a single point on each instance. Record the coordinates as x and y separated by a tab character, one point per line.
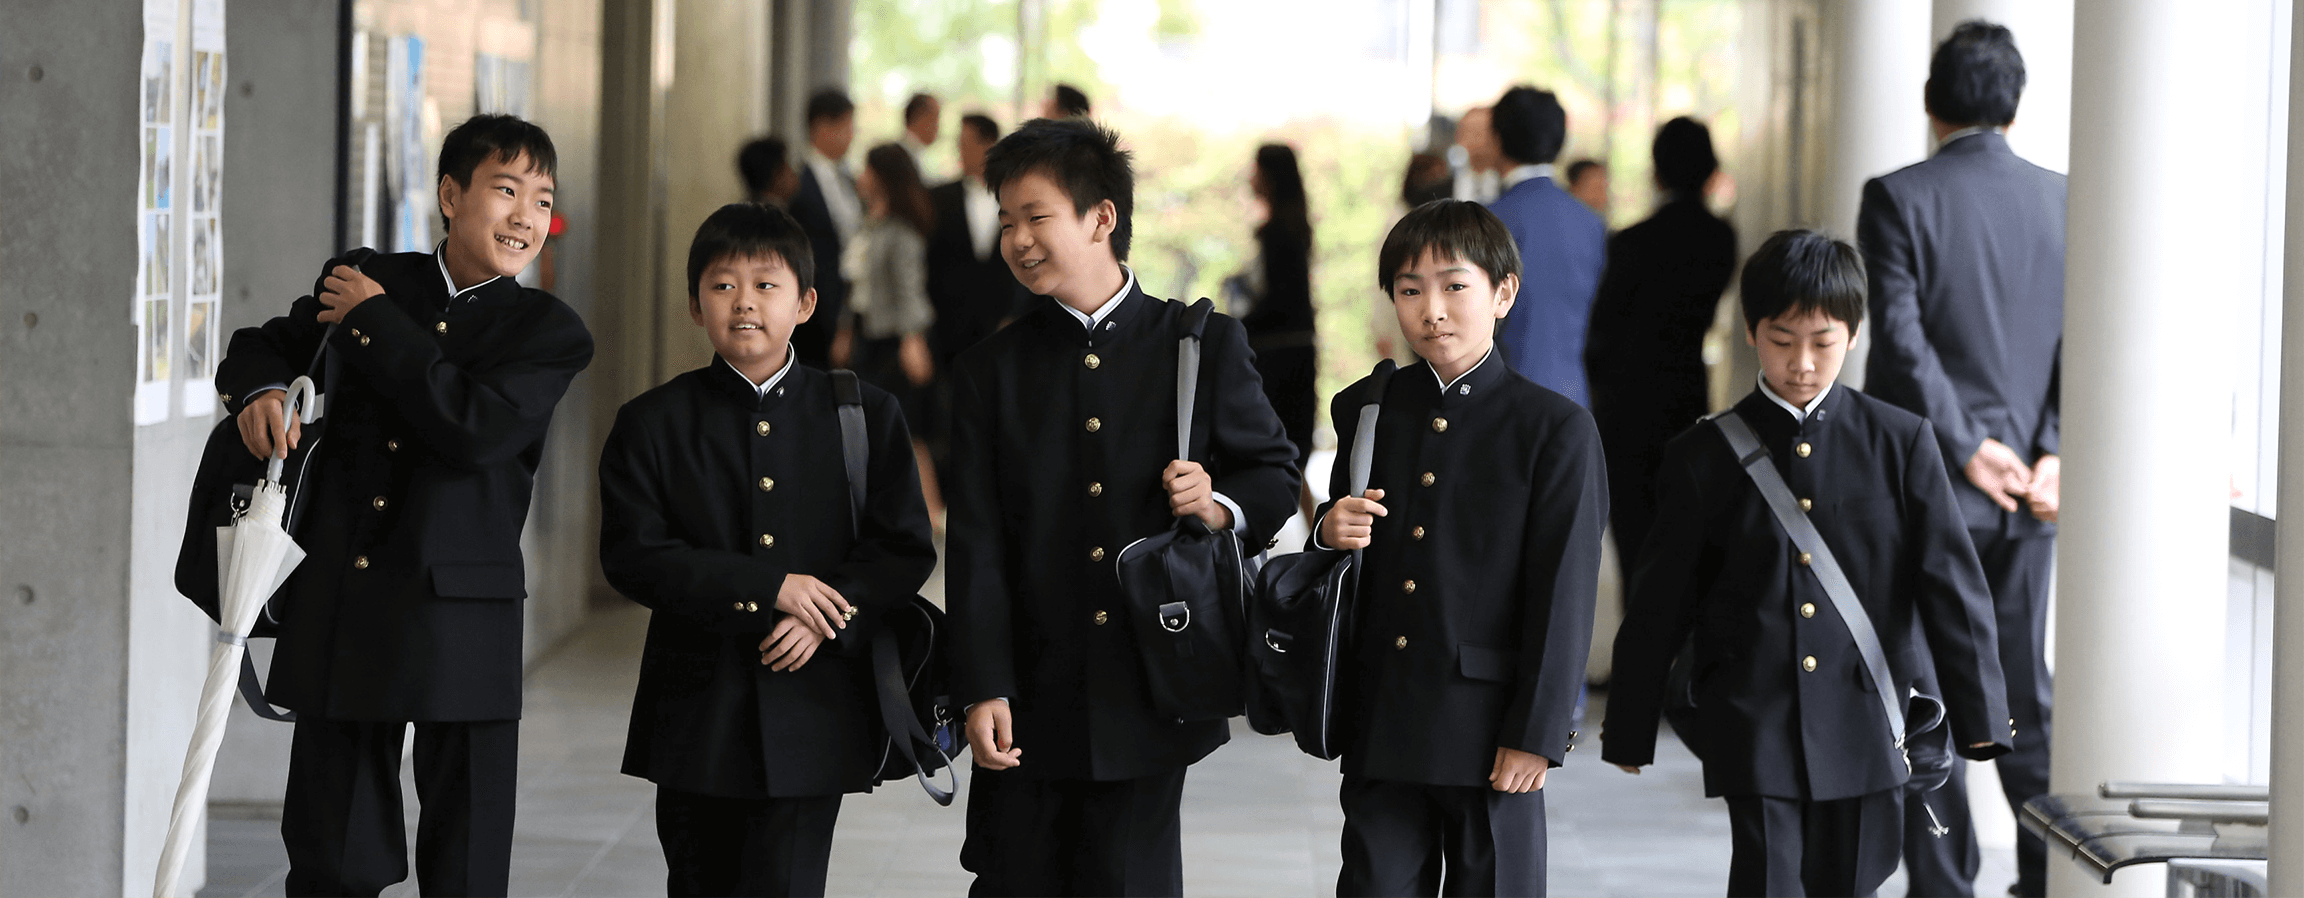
1273	299
887	269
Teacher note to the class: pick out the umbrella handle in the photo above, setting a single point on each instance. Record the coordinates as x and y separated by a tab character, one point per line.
298	405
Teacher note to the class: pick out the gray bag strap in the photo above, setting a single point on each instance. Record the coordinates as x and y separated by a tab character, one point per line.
854	447
1753	456
1187	386
1364	439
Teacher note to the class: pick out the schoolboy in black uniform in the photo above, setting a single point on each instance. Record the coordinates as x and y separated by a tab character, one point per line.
1792	728
1481	526
407	611
1063	439
725	509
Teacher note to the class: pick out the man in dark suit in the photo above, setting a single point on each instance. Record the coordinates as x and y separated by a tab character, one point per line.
407	606
1064	436
1563	245
969	284
1966	254
828	209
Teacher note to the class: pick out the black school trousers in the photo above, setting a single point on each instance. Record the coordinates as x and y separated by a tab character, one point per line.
342	820
1408	839
1030	837
1790	847
715	846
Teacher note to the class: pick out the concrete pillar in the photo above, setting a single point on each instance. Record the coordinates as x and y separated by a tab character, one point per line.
2288	622
2145	540
1878	64
2042	132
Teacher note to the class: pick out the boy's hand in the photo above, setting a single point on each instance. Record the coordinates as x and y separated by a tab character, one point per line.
815	604
344	290
1518	771
1999	472
919	366
790	645
843	341
1351	520
992	736
1192	493
260	427
2045	492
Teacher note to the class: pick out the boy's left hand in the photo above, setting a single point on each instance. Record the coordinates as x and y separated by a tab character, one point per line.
344	290
790	645
2045	492
1192	493
1518	771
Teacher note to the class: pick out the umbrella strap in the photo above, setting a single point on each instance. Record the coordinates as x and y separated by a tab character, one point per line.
252	690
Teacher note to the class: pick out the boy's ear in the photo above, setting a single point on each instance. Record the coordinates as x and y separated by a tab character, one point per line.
450	194
696	309
1507	290
1107	220
807	305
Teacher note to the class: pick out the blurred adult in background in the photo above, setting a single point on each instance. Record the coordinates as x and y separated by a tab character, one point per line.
1479	173
1645	350
1273	300
828	210
1965	252
887	269
1428	178
1065	101
970	286
1588	182
766	165
923	124
1562	245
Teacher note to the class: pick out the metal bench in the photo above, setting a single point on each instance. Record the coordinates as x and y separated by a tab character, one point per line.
2212	837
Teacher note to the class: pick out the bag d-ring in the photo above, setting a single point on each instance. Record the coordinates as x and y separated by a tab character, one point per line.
1175	616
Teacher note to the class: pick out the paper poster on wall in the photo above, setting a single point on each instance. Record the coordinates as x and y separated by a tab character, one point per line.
155	203
202	333
413	202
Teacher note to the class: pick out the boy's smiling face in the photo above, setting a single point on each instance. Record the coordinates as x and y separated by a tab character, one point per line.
497	223
1053	250
1801	352
748	306
1448	308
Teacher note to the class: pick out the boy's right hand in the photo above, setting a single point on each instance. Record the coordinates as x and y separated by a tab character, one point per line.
2000	473
815	604
992	735
260	428
1351	520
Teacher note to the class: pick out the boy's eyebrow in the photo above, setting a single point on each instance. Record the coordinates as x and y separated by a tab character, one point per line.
1458	269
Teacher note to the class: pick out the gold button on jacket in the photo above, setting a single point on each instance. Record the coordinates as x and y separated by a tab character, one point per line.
1808	664
1096	554
1439	425
767	541
1417	533
1092	361
1095	425
1806	559
360	563
391	445
1408	587
767	483
1100	618
440	328
1095	489
1808	609
1803	449
760	428
377	503
1400	642
1427	478
1806	505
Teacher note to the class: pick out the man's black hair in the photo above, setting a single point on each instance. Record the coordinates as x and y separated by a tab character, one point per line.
829	103
1801	271
1449	228
750	230
1070	102
1577	169
1082	157
499	137
759	162
1684	157
1530	126
1976	76
986	129
916	107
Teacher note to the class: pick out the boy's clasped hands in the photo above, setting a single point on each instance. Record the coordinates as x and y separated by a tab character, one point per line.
813	613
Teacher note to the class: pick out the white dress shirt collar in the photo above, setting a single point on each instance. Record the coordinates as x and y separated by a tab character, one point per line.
1445	385
1798	413
1527	172
440	256
763	387
1091	320
839	195
983	213
1968	132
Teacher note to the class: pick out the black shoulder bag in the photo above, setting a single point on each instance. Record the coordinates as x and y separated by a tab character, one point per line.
907	670
1301	617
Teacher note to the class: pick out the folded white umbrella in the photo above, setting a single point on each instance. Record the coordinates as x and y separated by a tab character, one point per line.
254	557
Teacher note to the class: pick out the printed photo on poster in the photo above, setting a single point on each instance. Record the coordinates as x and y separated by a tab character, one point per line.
203	257
156	342
200	340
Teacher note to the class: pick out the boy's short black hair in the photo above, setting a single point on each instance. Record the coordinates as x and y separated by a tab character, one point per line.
1530	125
986	129
1976	76
1448	228
493	136
759	162
1082	157
746	230
829	103
1684	157
1801	271
1070	101
916	107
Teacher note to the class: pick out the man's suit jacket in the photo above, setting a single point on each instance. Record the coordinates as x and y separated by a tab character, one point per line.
1563	245
406	606
1645	349
813	337
1966	259
972	295
1060	436
1718	565
1475	605
710	494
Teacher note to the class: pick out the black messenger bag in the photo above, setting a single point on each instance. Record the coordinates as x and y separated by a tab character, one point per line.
1300	621
1186	588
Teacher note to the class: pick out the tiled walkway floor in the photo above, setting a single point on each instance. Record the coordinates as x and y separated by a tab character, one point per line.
1260	818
